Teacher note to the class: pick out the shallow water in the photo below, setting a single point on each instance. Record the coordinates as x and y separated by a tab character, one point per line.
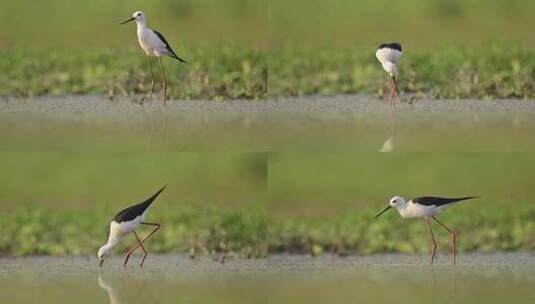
327	124
486	278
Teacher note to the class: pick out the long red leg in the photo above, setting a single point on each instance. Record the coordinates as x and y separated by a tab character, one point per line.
129	253
453	238
434	250
395	89
142	247
152	77
393	102
392	96
164	81
142	241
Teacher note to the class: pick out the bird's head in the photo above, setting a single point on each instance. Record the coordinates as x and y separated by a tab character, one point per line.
397	202
103	253
137	16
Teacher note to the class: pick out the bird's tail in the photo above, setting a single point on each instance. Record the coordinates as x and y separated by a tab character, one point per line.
459	199
465	198
174	55
151	199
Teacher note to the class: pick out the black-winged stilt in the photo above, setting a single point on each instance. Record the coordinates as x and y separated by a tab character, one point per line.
154	44
388	54
126	221
426	207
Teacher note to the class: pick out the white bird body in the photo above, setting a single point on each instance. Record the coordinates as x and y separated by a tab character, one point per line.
118	230
413	210
388	55
390	68
150	42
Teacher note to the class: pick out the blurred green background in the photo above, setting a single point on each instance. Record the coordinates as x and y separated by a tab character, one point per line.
82	24
418	24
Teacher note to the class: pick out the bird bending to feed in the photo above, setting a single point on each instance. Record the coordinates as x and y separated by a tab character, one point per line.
154	44
126	221
388	55
426	207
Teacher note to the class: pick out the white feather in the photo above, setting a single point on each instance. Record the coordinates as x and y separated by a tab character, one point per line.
387	55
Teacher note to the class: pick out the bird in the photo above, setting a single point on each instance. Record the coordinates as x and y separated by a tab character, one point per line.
427	207
154	44
127	221
388	55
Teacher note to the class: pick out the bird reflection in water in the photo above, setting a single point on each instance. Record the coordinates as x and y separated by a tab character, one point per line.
389	144
143	295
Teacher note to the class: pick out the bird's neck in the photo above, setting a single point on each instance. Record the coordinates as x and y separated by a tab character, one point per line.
112	241
141	25
401	208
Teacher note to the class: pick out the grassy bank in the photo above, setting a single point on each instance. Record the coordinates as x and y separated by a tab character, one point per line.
192	231
249	233
240	73
452	72
227	72
478	229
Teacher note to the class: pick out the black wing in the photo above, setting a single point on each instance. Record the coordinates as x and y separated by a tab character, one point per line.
392	45
439	201
132	212
168	47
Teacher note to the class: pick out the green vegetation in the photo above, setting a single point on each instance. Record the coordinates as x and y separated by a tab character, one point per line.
38	231
453	72
478	229
250	234
228	72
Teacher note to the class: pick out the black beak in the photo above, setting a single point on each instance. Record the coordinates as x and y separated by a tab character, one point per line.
101	263
126	21
384	210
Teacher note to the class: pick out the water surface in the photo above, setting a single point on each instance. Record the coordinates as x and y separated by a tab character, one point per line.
356	123
487	278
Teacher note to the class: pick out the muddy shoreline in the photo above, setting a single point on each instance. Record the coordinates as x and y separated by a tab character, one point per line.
101	105
171	264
